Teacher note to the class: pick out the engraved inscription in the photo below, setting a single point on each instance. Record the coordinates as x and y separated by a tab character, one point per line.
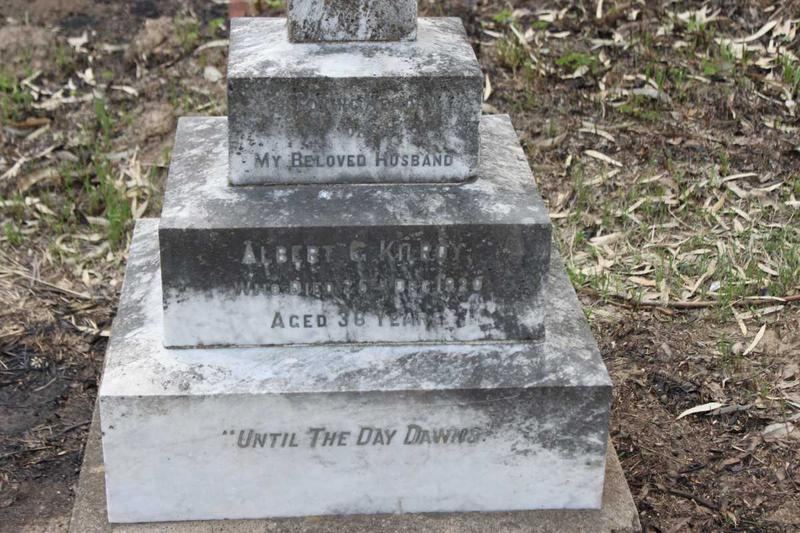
294	258
403	282
362	436
384	282
304	160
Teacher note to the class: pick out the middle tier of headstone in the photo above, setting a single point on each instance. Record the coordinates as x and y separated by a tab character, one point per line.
351	263
363	112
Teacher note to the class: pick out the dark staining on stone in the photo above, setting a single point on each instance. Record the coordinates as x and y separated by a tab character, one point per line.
570	422
314	111
414	276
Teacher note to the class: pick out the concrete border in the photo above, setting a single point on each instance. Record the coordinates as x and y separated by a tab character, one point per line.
618	515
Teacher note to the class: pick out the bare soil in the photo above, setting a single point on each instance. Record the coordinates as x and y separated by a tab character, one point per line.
670	164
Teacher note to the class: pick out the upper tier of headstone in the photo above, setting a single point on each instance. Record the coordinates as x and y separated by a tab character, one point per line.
399	112
352	20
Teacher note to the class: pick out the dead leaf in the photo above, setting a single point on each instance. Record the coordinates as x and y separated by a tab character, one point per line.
212	74
756	340
487	88
589	127
760	33
219	43
644	282
605	240
652	93
778	431
602	157
549	142
30	123
706	407
43	174
78	42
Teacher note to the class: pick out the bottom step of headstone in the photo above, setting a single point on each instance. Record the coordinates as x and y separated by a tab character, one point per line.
231	433
618	513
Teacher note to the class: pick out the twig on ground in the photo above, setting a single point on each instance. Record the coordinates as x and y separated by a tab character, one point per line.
81	295
73	427
19	452
696	304
689	496
39	389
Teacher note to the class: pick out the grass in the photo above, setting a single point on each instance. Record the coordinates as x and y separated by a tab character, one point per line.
263	5
701	251
540	25
700	31
13	234
669	79
90	187
188	32
572	61
102	194
511	54
504	16
640	108
790	73
64	58
15	102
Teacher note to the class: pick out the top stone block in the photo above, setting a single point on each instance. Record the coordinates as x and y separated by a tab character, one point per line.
352	20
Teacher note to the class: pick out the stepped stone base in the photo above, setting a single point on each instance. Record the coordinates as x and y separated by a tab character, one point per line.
618	513
335	430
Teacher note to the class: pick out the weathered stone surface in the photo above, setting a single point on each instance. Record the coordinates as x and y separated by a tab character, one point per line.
319	264
236	433
352	20
352	112
617	515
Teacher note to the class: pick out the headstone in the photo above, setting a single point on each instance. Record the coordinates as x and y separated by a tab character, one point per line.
344	340
352	20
